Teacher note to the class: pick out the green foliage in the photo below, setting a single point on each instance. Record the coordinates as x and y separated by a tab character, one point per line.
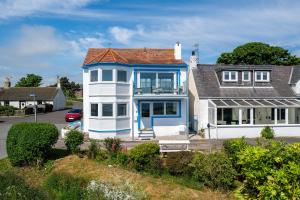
7	110
142	155
93	150
68	87
65	186
177	163
214	170
29	143
257	53
31	80
113	145
272	172
13	187
267	133
122	159
232	148
73	139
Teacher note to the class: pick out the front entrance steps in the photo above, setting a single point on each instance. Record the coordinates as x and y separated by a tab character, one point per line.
146	134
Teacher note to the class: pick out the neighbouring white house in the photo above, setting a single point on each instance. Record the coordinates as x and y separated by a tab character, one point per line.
135	93
21	97
240	100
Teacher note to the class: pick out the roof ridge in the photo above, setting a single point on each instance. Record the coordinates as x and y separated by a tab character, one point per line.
114	53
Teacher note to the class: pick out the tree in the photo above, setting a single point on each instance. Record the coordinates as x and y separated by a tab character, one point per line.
68	87
257	53
31	80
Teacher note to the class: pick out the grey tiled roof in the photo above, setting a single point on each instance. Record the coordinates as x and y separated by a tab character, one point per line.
23	93
295	75
208	85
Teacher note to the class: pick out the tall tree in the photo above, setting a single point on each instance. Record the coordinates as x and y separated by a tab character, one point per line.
68	87
257	53
31	80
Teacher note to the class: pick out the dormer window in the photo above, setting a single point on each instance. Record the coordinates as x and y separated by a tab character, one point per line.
262	76
230	76
246	75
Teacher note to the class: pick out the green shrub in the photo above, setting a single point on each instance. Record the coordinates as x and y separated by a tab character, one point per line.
141	155
232	148
267	133
121	159
29	143
214	170
65	186
113	145
73	140
271	173
93	150
102	155
14	187
7	110
178	163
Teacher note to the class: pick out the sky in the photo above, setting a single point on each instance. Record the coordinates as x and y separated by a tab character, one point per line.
51	37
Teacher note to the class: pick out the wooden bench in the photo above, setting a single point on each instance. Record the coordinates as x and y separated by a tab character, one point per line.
173	145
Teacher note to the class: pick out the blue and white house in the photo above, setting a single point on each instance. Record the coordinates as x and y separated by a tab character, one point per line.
135	93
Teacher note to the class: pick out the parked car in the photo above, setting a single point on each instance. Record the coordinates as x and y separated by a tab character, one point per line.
73	115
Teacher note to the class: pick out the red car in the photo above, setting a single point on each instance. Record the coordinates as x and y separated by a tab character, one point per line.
73	115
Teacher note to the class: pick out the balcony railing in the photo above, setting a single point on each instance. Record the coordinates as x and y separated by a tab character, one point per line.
158	91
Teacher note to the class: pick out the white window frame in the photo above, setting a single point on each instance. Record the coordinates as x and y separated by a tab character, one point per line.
243	76
112	75
120	116
126	76
230	76
91	76
261	75
97	110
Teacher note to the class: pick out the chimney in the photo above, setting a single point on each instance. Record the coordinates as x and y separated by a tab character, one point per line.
7	82
58	82
193	60
177	51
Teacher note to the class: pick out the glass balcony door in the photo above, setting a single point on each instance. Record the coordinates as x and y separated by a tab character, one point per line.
148	82
156	82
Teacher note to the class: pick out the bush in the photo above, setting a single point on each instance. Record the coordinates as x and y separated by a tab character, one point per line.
121	159
113	145
178	163
65	186
214	170
267	133
102	155
7	110
14	187
29	143
232	148
93	150
101	190
73	139
142	155
271	173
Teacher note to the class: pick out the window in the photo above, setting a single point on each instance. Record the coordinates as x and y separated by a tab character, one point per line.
246	76
122	109
122	76
94	76
171	108
158	108
39	102
107	75
6	103
166	82
262	76
107	110
148	82
94	110
230	76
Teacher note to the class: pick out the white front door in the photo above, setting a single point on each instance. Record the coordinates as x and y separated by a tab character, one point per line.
145	116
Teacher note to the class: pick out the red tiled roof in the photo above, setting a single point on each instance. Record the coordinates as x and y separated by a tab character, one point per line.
131	56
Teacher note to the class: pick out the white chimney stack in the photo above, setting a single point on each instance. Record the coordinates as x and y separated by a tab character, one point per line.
193	60
177	51
58	82
7	82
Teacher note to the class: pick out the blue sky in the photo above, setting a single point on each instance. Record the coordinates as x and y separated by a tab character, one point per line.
51	38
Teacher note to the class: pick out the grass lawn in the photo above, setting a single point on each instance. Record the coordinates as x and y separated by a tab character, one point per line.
155	187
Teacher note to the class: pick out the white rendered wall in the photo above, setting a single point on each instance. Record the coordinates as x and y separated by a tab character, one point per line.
59	101
254	131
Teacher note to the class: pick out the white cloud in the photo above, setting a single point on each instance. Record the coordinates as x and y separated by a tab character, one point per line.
124	35
18	8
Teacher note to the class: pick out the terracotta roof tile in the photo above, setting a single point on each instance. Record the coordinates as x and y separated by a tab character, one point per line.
131	56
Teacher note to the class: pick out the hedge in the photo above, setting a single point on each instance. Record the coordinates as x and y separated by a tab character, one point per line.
29	143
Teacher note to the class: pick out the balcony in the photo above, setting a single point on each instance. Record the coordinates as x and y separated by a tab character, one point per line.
158	91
